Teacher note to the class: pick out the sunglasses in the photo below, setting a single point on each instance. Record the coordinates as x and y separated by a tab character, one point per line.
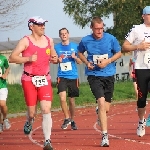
39	24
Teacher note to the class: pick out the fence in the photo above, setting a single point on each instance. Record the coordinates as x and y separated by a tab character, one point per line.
122	71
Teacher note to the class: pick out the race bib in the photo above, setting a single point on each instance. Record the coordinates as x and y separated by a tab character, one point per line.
1	72
66	66
97	57
39	81
147	59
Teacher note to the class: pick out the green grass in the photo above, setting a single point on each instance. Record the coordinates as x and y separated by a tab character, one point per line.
16	104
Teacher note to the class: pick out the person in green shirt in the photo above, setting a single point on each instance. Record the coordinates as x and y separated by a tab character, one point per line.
4	70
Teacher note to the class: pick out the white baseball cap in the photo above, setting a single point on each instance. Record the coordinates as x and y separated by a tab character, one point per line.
37	20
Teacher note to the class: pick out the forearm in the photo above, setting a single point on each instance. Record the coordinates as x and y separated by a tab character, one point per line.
83	58
18	59
115	57
78	61
7	71
128	48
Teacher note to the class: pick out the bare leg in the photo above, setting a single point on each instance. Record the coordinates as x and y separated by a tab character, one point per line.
63	103
72	107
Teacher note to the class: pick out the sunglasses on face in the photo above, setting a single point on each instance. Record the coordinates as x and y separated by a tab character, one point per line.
39	24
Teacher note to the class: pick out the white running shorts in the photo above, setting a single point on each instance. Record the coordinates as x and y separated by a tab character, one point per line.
3	94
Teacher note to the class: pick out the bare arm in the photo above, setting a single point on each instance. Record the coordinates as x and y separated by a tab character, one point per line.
127	46
78	60
4	76
83	58
15	55
115	57
104	62
53	54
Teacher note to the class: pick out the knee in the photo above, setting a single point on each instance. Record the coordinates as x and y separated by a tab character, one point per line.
3	104
62	98
45	110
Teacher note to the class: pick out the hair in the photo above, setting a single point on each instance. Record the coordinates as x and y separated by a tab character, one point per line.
63	29
29	24
96	19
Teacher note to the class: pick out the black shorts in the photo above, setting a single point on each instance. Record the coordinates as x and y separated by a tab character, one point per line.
70	85
102	87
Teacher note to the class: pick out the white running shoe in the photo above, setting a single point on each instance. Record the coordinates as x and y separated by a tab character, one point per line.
141	128
1	127
105	141
6	124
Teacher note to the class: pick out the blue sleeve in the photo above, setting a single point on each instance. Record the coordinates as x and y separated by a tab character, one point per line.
81	47
116	46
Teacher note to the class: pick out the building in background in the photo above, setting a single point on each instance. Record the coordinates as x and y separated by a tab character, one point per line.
122	72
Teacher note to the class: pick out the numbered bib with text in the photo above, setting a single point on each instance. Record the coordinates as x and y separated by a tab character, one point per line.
39	81
147	59
96	58
66	66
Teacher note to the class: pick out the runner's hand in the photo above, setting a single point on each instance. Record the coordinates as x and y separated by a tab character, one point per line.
54	58
143	45
33	57
4	76
90	65
60	59
73	55
102	63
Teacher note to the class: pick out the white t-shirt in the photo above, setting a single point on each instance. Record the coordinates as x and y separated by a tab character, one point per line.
136	35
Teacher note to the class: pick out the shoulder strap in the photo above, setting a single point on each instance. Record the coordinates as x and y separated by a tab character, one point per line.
49	44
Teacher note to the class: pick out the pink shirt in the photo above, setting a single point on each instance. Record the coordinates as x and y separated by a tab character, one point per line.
39	67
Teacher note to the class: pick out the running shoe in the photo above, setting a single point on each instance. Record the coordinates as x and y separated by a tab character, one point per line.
6	124
48	145
105	141
66	123
141	128
27	128
73	125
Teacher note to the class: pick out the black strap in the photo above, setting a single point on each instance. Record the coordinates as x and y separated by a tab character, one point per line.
32	75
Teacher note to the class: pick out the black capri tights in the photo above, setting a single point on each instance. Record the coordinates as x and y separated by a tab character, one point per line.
143	78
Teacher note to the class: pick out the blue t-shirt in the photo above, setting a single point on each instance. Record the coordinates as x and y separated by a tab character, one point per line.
65	52
108	44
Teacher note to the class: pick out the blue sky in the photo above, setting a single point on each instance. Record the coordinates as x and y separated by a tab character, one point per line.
51	10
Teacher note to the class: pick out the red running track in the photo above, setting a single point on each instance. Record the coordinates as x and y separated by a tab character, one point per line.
122	124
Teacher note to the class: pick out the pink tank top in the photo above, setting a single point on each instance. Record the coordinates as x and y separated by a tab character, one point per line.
42	65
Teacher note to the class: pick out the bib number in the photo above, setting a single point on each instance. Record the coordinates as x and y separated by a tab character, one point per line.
96	58
147	59
39	81
66	66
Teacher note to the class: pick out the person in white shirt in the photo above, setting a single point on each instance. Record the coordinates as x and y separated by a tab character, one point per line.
138	40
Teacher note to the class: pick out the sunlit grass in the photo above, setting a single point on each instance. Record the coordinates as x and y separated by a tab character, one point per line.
16	103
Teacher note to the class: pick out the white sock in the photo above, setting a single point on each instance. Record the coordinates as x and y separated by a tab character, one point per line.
104	132
142	120
47	125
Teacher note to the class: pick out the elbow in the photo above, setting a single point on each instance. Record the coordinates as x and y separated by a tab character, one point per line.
80	62
10	59
124	48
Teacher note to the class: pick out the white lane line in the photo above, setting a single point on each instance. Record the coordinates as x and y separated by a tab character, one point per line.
114	136
32	140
